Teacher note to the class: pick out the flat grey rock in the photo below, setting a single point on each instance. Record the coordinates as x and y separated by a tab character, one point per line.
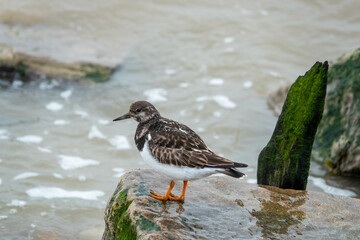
220	207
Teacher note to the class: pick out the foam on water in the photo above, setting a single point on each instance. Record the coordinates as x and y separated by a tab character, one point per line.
216	81
103	121
4	134
247	84
156	95
45	150
320	182
46	85
224	101
184	85
58	176
17	83
0	181
82	178
120	142
82	114
16	203
119	172
66	94
73	162
30	139
54	106
229	40
95	133
26	175
3	217
61	122
170	71
251	181
55	192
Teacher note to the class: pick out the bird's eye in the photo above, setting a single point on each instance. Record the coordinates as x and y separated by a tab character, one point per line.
138	110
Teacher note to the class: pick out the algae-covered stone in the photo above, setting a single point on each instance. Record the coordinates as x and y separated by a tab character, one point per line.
338	138
219	207
285	161
15	65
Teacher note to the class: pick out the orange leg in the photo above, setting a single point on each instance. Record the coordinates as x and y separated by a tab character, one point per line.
179	198
163	197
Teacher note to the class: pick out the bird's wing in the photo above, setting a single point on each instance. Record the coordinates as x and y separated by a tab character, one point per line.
180	148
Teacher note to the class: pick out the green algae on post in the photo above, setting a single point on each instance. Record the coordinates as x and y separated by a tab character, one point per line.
285	160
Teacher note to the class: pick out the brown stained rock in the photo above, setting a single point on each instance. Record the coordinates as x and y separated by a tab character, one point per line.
15	65
219	207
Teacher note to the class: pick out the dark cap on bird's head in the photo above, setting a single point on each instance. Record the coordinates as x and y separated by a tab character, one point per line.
141	111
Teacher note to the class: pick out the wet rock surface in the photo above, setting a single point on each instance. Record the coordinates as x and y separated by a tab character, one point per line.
19	66
219	207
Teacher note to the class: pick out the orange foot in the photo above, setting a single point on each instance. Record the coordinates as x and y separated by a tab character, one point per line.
158	196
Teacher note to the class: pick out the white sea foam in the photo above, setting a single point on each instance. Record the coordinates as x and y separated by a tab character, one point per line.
45	85
58	176
30	139
251	180
13	211
156	95
74	162
54	106
55	192
217	114
200	129
264	12
17	83
16	203
81	178
61	122
119	172
4	134
66	94
103	121
319	182
82	114
274	74
0	181
95	133
120	142
224	101
247	84
216	81
229	40
45	150
3	217
170	71
26	175
184	85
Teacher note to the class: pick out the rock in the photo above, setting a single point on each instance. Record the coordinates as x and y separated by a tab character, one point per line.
337	141
15	65
220	207
285	160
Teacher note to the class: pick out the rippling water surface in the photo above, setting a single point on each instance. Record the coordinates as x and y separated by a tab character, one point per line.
204	63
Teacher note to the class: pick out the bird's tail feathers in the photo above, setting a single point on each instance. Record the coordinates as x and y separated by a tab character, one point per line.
232	173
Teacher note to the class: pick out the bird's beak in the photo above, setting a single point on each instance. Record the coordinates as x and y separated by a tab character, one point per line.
125	116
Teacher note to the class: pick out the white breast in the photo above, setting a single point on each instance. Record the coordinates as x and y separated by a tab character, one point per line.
174	172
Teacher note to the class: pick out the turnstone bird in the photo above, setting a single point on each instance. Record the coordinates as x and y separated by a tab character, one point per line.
173	149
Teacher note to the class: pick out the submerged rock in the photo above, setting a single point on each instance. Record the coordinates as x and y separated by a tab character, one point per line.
18	66
285	161
219	207
337	141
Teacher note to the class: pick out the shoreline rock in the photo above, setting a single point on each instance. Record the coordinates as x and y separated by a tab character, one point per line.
219	207
14	66
285	160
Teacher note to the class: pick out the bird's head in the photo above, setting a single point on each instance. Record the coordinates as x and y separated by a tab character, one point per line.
141	111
